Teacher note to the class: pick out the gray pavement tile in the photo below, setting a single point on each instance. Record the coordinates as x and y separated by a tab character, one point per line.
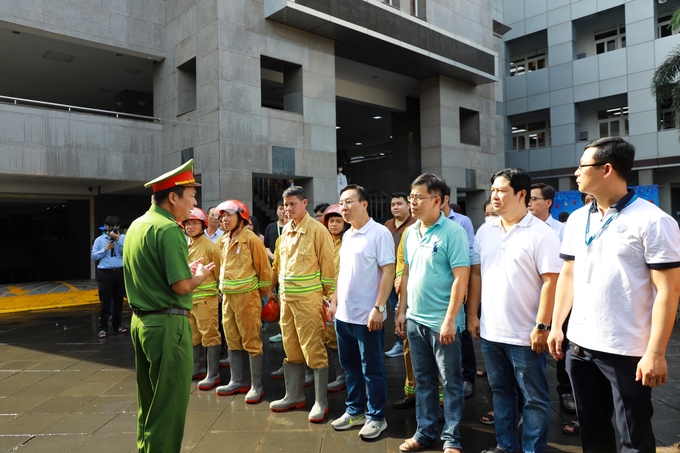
59	443
30	423
58	404
124	422
109	375
43	388
9	443
108	443
87	388
213	442
122	388
108	403
16	404
291	441
200	422
77	423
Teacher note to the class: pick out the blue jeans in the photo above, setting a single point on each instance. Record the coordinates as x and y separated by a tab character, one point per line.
361	356
507	367
430	359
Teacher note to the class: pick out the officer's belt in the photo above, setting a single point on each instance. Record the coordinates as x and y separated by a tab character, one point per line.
166	311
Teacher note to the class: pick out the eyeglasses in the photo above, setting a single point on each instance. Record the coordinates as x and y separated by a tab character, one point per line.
532	199
582	166
347	203
417	198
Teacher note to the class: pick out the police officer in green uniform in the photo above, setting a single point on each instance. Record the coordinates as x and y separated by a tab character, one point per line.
159	284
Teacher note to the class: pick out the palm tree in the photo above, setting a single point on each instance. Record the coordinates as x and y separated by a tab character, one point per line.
665	79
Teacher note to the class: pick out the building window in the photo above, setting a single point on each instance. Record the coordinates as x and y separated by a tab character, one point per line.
530	135
394	3
186	87
532	60
666	115
609	39
469	127
613	122
281	84
664	22
418	8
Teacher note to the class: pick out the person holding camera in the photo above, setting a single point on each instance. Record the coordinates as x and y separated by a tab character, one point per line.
108	250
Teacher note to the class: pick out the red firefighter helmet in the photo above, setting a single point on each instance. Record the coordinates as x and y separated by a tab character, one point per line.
233	206
198	214
333	209
271	312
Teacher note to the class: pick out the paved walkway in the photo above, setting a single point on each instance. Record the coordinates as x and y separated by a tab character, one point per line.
64	390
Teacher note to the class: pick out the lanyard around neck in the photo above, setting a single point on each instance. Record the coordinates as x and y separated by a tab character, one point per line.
589	239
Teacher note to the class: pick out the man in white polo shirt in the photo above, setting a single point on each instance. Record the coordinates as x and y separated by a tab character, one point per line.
358	306
540	203
621	281
515	264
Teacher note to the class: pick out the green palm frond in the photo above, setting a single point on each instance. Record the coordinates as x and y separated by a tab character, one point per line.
666	76
675	20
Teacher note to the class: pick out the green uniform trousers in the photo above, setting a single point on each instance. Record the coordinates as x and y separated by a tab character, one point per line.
164	361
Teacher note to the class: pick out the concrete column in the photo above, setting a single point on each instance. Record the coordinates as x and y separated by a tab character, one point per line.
646	177
564	184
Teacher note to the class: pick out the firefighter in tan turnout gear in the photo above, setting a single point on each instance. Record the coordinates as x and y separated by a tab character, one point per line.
244	280
203	316
303	262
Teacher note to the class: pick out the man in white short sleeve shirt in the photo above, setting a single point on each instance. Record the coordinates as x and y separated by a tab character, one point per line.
358	306
621	281
515	264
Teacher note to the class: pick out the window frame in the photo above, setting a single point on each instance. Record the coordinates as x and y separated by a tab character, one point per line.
622	120
619	38
526	133
525	59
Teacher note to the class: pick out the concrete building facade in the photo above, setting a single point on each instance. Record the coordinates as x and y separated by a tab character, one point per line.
575	71
99	96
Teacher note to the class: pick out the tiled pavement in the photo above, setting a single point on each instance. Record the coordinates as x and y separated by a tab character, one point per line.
64	390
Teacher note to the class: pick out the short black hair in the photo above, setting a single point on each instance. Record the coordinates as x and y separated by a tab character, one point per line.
279	203
403	195
163	195
435	185
295	191
256	224
321	207
563	217
210	209
455	207
487	202
361	192
448	192
615	151
112	220
519	180
583	197
547	192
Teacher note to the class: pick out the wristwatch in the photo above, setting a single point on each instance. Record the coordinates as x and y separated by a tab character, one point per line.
380	308
542	327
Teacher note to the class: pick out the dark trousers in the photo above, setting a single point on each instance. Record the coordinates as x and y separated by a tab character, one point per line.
111	287
603	383
468	355
563	382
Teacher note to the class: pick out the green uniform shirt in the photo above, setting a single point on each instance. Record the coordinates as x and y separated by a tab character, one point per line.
155	256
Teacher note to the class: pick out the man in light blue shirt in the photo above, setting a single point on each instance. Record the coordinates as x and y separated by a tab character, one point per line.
108	250
434	283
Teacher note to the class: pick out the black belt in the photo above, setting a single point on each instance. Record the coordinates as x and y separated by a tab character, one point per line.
111	269
166	311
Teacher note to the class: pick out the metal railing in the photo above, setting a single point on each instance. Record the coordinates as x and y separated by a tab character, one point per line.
75	108
379	206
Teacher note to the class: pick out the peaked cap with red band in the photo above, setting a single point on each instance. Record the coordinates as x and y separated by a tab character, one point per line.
180	176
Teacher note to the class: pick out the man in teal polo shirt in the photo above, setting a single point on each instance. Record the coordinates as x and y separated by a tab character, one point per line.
433	285
159	284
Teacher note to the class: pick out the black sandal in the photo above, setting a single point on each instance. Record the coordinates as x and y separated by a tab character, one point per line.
575	428
122	329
